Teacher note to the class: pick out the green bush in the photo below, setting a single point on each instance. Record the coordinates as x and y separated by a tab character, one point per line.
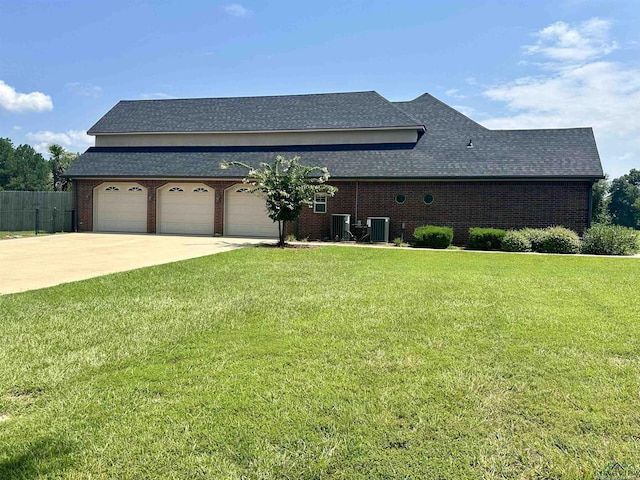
560	240
610	240
535	236
432	236
516	241
485	238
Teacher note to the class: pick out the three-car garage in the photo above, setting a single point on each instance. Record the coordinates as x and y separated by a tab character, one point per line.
180	208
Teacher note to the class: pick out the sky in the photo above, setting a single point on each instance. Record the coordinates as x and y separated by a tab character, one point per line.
506	64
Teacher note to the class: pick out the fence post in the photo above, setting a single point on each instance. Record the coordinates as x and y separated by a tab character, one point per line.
37	215
53	220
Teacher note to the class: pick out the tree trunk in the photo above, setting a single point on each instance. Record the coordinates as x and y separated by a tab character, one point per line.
281	233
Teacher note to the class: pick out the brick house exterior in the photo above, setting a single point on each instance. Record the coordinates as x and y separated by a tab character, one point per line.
383	157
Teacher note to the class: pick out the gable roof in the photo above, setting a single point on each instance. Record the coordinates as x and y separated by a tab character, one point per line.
328	111
440	153
438	116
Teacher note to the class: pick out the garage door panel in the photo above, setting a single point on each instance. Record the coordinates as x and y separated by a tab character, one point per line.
120	207
186	208
246	214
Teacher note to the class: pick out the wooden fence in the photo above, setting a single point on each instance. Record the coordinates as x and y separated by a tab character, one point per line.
46	211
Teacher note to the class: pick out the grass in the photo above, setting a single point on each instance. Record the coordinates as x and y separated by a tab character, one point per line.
327	363
28	233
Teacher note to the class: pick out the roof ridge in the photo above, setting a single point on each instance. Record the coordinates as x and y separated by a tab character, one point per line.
557	129
440	102
407	114
249	96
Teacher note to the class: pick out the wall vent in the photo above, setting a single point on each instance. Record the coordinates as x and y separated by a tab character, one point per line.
378	229
340	227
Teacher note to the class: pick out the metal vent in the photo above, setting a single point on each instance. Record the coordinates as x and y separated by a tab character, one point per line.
340	227
378	229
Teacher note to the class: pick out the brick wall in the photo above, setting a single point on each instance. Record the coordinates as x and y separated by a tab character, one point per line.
461	205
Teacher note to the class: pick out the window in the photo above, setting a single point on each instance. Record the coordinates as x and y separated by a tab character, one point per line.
176	189
320	203
112	189
428	199
200	190
135	189
242	190
400	199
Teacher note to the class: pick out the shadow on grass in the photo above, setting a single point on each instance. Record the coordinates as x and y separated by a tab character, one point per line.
40	458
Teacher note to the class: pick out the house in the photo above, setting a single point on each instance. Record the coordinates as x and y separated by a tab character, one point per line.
156	166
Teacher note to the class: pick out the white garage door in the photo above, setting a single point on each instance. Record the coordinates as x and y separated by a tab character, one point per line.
186	208
120	207
246	214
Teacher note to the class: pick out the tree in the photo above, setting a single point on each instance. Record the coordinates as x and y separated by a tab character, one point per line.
624	204
27	170
7	154
287	186
600	201
60	160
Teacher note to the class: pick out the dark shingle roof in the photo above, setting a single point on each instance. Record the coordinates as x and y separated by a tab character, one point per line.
287	112
440	153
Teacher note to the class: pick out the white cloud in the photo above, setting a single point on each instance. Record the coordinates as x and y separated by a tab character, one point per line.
576	87
13	101
455	93
72	140
562	42
237	10
155	96
84	90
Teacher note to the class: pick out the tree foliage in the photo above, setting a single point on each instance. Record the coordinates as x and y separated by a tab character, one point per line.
624	201
22	168
7	154
600	201
60	160
287	186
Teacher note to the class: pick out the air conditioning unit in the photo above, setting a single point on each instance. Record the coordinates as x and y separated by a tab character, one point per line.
340	227
378	229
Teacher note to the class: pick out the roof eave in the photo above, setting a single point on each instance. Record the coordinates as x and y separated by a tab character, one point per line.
418	127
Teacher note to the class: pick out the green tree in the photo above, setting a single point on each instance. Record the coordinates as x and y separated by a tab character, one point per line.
60	160
287	187
624	204
28	170
600	201
7	154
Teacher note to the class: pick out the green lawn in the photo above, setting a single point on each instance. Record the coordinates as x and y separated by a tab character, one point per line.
326	363
29	233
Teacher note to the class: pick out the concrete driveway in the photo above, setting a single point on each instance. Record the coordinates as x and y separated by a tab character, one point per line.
37	262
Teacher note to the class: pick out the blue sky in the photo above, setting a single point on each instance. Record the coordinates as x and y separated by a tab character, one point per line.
506	64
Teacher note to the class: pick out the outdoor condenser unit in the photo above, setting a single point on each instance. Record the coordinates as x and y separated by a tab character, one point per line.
340	227
378	229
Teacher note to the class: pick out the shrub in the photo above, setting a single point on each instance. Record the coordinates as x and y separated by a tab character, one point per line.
610	240
516	241
535	236
432	236
485	238
399	242
560	240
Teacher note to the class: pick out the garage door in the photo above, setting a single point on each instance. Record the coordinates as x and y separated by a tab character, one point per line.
120	207
246	214
186	208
